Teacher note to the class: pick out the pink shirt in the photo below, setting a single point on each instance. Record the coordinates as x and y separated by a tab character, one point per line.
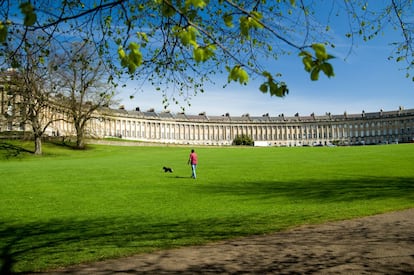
193	158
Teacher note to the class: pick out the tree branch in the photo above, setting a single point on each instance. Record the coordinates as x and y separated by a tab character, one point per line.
405	31
268	28
89	11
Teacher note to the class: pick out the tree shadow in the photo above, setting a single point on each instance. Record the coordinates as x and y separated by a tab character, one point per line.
8	150
22	245
335	190
67	142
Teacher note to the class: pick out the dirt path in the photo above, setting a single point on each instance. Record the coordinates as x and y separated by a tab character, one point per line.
381	244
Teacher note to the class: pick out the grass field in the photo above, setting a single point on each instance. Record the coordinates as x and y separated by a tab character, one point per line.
73	206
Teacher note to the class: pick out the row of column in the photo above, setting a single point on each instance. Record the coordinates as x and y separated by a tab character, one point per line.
378	130
208	132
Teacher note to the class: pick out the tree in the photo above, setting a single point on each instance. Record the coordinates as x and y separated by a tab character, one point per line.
78	78
34	95
178	44
243	140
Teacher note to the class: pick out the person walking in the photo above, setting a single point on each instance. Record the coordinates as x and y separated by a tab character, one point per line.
193	160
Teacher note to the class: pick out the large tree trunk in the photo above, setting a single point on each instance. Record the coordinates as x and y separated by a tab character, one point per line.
38	145
37	133
80	141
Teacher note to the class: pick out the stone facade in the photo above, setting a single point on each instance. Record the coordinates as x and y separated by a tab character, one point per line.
164	127
347	129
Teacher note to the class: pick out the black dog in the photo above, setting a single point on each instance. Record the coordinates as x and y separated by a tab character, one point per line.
167	169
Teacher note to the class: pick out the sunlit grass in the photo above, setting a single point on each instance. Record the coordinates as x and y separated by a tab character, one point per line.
74	206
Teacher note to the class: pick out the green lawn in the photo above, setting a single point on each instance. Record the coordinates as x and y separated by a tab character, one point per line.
73	206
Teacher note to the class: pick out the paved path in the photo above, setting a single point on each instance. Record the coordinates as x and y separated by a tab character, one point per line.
381	244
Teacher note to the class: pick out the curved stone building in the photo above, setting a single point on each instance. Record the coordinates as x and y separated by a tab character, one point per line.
202	129
346	129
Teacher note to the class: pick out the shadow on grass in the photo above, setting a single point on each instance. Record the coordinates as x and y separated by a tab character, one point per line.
65	143
337	190
8	150
180	177
39	246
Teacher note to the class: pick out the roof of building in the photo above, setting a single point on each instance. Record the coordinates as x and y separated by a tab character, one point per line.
265	118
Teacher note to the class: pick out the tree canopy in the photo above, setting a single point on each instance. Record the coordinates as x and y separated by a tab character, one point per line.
177	45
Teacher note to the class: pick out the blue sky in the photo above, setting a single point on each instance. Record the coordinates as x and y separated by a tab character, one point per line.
364	80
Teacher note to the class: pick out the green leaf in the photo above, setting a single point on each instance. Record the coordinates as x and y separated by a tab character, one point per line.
30	16
400	58
233	74
243	76
329	57
133	60
244	26
202	54
167	10
121	52
143	36
305	53
238	74
320	51
267	74
315	65
254	20
30	19
196	3
277	89
263	88
187	35
228	20
198	54
3	32
273	87
327	69
108	21
133	46
250	22
256	15
315	74
308	62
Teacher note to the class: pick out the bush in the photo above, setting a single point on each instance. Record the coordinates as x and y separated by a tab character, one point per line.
243	140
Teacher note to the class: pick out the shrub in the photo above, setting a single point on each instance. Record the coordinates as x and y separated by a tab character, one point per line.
243	140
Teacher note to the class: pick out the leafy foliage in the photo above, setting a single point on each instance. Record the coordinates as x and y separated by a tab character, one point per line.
3	31
243	140
30	16
273	87
317	62
134	58
178	45
237	73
